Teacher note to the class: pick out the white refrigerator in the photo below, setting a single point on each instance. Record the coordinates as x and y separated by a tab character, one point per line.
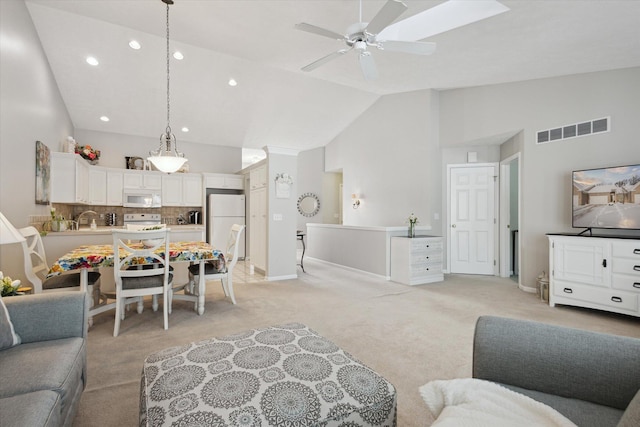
224	211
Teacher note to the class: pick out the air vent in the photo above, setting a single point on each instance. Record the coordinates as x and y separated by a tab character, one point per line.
574	130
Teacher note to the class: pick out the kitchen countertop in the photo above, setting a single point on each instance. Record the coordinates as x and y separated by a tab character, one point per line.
107	230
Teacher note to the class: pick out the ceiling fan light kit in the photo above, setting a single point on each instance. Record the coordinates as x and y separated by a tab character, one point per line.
167	158
402	36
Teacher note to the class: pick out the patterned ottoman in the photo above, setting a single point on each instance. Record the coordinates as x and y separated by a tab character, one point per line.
284	375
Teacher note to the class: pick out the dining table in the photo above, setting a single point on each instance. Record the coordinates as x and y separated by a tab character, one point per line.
91	257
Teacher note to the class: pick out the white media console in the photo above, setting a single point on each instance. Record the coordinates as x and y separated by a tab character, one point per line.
595	272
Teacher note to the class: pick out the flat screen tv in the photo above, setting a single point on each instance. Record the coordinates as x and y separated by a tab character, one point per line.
607	198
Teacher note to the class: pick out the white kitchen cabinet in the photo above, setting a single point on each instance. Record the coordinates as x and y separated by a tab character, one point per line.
142	179
69	178
595	272
114	187
258	177
182	190
417	260
97	189
258	228
224	181
192	190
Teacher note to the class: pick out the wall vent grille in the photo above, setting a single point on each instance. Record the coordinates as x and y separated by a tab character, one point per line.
574	130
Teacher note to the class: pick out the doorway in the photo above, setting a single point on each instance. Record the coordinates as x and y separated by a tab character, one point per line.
510	218
472	218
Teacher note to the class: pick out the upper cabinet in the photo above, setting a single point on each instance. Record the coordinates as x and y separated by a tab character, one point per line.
226	181
258	177
69	178
182	190
98	186
142	179
115	179
74	181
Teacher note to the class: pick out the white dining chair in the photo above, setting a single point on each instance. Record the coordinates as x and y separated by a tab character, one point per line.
134	248
36	268
214	270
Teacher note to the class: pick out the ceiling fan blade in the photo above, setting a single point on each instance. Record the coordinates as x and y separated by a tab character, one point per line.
416	48
443	17
303	26
368	66
389	13
324	60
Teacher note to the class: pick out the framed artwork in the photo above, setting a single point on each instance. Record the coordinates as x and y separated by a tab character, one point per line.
136	163
43	174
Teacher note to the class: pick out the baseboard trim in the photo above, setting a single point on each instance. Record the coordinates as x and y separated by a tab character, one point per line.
379	276
528	289
276	278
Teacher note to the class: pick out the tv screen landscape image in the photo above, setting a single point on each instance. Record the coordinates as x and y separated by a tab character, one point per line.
607	198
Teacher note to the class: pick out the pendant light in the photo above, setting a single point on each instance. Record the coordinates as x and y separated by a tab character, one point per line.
167	158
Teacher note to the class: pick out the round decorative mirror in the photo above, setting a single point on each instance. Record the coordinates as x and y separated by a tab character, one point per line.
308	204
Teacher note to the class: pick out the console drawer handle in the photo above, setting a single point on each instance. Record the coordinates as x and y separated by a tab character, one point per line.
636	267
636	251
636	285
568	290
616	299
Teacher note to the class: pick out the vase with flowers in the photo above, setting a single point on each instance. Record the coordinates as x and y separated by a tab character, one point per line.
57	222
9	287
88	153
413	220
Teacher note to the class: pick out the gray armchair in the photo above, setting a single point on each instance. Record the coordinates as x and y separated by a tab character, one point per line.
591	378
43	377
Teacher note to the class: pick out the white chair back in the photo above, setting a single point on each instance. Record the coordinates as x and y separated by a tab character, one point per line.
131	248
233	245
35	259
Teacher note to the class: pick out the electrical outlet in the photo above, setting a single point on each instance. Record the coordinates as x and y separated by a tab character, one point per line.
277	217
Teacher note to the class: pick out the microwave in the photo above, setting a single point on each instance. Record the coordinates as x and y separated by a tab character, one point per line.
141	198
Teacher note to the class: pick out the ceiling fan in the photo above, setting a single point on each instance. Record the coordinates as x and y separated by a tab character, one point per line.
403	35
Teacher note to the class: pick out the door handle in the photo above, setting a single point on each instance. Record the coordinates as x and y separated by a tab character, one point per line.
568	290
453	226
604	263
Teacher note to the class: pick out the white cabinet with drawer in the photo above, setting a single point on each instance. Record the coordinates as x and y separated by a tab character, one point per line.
595	272
417	260
224	181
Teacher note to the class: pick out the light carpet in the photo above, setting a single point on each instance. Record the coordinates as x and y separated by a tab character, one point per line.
409	334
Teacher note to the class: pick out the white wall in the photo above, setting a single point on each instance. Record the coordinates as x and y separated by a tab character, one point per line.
281	234
473	113
310	180
390	158
115	147
31	109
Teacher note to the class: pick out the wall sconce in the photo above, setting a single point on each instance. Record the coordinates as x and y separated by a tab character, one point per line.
355	201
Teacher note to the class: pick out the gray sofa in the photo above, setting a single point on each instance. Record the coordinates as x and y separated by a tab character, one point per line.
591	378
42	379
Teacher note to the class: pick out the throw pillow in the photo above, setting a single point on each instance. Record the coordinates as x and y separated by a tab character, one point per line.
8	336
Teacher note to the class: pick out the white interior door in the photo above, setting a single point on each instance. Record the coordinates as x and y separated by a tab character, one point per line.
472	219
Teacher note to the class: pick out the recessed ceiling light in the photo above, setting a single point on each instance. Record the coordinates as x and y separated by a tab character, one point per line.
104	118
185	129
134	44
92	61
233	82
178	55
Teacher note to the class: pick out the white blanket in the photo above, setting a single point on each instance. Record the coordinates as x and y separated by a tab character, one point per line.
471	402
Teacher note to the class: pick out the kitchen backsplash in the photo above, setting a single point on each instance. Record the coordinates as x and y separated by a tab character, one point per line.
169	214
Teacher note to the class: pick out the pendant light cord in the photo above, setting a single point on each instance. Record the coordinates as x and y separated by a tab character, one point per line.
168	130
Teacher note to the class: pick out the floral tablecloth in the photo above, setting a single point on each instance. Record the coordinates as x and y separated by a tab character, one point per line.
94	256
285	375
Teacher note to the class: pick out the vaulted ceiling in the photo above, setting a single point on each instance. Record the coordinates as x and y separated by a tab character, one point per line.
255	43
